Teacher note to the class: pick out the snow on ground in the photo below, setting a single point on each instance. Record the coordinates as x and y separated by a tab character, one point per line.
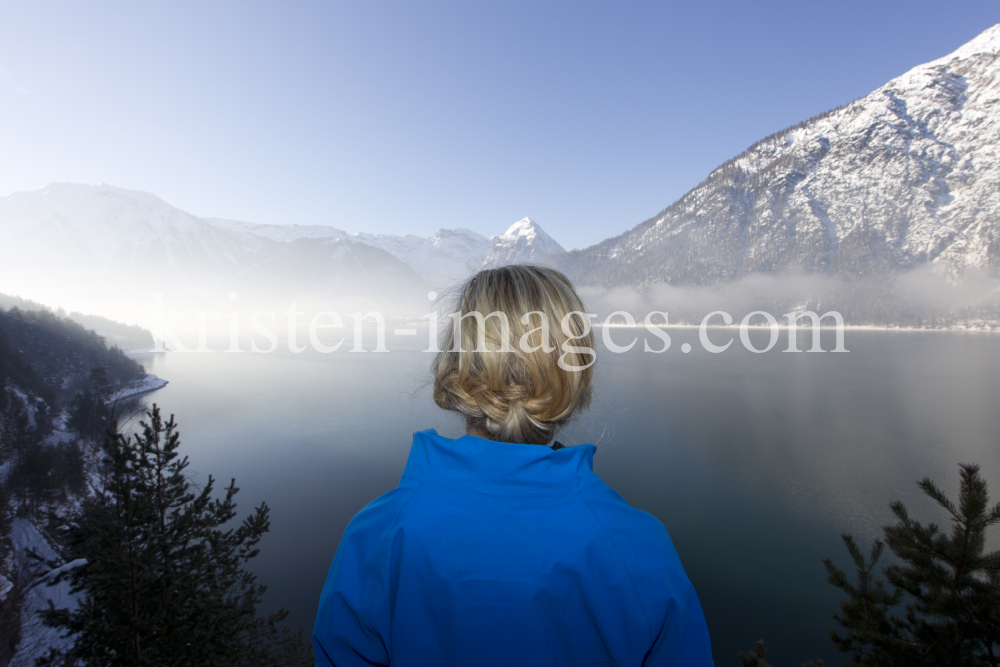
63	569
60	432
35	637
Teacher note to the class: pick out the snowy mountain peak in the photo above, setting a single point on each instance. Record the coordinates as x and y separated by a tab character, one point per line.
523	242
524	227
988	41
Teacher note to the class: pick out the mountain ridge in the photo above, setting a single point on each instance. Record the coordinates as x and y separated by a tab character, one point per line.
523	242
66	243
874	186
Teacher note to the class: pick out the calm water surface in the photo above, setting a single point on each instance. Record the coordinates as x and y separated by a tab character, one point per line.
754	462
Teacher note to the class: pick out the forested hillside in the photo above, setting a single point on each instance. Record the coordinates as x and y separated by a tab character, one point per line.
125	336
67	468
56	378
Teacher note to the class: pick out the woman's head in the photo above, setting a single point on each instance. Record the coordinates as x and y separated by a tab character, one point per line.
517	357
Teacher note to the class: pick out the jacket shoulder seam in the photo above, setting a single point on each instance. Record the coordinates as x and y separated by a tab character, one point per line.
631	579
381	550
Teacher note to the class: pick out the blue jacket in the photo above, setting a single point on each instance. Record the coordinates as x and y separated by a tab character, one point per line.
492	553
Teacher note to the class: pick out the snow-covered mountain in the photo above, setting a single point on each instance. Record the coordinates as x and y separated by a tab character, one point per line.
443	260
279	232
524	242
77	244
72	244
329	268
452	255
906	176
101	229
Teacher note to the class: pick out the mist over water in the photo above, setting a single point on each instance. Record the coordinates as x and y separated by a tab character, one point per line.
755	462
917	299
922	297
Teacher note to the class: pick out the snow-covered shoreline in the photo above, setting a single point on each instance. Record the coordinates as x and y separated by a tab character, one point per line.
146	384
954	328
143	351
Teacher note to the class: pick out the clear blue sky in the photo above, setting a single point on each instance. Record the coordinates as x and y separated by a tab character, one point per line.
404	117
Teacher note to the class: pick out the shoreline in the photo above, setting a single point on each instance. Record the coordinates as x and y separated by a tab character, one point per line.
147	384
141	352
846	327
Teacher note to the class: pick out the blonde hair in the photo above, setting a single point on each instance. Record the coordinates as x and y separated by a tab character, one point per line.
517	357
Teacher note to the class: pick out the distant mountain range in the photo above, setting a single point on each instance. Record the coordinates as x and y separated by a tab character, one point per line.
106	238
906	176
903	178
441	260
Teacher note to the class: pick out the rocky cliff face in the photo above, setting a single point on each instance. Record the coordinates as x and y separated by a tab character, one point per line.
906	176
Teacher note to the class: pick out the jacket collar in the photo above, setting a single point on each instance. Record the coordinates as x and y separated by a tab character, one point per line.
477	463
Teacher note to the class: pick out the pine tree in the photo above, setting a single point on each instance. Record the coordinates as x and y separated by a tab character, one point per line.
164	582
89	414
950	585
873	636
757	657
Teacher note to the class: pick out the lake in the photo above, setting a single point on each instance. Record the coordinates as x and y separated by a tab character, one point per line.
756	463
